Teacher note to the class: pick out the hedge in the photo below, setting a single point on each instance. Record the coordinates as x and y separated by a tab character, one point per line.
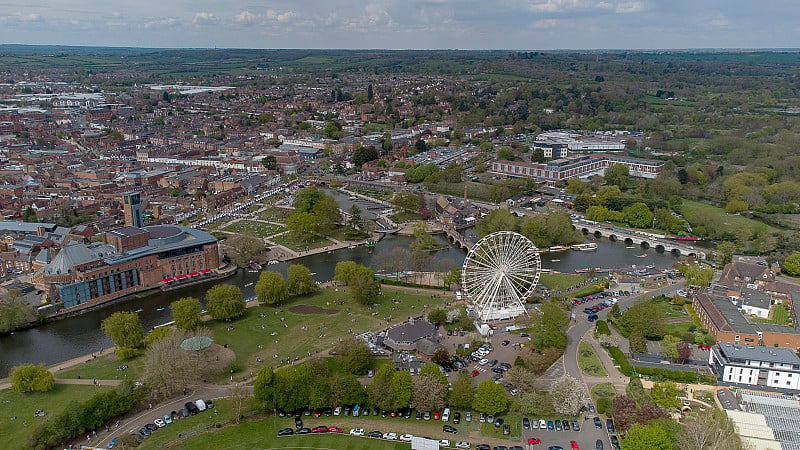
694	315
406	284
621	361
677	376
601	327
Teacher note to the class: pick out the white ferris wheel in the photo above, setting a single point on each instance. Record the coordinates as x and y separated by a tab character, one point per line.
500	273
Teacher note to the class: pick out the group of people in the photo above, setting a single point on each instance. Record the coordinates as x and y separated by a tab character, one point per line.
122	367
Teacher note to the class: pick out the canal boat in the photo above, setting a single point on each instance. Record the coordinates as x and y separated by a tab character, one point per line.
558	248
588	247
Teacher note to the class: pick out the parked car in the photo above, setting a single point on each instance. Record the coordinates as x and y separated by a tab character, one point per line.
449	429
406	437
457	418
445	415
298	422
201	405
160	423
610	425
468	416
303	431
597	423
558	426
576	426
167	418
574	445
444	443
526	423
565	424
550	425
320	429
598	445
506	429
375	434
357	432
191	407
462	444
499	422
614	442
337	411
390	436
335	430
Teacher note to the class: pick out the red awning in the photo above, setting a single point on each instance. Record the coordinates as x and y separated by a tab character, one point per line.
194	274
182	277
206	271
167	280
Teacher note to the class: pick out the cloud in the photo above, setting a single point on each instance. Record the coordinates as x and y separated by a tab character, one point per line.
543	24
719	22
629	7
165	22
284	17
204	17
245	16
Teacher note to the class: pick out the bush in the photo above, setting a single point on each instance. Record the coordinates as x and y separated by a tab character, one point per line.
406	284
603	405
601	327
620	360
126	353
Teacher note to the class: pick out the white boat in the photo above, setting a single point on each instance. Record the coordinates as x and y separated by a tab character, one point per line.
588	247
352	197
558	248
555	260
248	284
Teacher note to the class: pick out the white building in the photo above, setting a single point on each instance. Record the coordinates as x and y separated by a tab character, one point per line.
771	367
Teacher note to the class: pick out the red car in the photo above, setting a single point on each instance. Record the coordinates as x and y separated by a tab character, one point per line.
704	347
574	445
534	441
436	415
317	413
475	373
320	429
335	430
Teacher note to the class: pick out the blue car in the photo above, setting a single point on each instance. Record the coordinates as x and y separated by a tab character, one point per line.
111	444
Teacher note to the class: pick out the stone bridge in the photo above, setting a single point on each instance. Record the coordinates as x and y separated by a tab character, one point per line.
646	240
455	237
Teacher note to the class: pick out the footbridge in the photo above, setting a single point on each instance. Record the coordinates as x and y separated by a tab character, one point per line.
646	240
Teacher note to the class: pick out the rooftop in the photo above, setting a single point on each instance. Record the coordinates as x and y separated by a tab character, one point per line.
753	353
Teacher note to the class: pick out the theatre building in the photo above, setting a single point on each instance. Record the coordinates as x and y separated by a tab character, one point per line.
129	259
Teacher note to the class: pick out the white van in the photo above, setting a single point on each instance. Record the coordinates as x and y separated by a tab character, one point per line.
201	405
446	415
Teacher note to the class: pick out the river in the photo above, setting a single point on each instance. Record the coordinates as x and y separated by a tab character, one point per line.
69	338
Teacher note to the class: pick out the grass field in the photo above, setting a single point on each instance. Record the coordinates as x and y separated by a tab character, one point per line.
779	316
14	432
299	246
602	390
678	328
561	281
254	228
663	304
275	214
105	368
303	333
697	213
589	362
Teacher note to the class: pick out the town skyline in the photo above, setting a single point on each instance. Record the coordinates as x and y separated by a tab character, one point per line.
420	24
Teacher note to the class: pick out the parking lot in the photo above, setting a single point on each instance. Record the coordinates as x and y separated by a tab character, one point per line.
586	438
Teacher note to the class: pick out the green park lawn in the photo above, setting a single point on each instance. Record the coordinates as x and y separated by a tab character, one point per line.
275	214
14	432
678	328
561	281
289	241
254	228
304	333
728	223
669	310
589	362
105	367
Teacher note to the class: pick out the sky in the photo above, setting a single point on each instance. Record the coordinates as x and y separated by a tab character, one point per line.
404	24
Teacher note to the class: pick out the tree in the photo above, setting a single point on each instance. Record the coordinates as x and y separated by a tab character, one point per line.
710	429
639	215
429	395
575	186
521	378
31	378
300	281
792	264
698	274
165	97
332	131
186	313
434	371
617	175
463	393
124	328
157	334
665	394
302	225
29	215
271	288
363	155
490	398
646	437
453	277
327	214
365	287
224	301
14	312
624	412
567	396
293	387
403	388
637	341
500	219
306	198
421	146
353	354
684	351
381	390
263	389
549	326
243	248
168	368
345	271
370	93
407	201
669	348
237	395
535	403
437	316
348	390
355	224
270	162
441	357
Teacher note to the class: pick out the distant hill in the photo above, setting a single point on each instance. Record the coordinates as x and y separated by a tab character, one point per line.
23	49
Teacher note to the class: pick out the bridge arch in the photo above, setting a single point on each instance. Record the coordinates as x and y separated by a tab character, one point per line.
645	244
628	241
613	237
598	233
660	247
676	251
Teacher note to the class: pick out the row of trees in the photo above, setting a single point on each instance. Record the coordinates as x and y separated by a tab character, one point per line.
310	385
77	418
360	279
544	230
272	289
